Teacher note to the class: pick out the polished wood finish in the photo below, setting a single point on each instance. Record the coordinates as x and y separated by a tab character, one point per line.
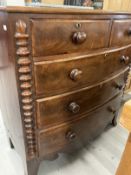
49	108
79	37
121	33
25	86
9	101
74	135
61	77
64	69
66	36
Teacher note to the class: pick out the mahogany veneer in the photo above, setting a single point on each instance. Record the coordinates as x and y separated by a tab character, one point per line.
62	76
67	36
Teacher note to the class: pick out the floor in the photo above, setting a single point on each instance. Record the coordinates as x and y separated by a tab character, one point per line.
101	157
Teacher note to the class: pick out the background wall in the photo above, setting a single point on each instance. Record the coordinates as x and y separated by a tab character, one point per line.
117	5
12	2
53	1
120	5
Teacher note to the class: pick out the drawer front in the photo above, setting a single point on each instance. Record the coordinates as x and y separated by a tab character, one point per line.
56	77
58	109
121	33
52	37
72	136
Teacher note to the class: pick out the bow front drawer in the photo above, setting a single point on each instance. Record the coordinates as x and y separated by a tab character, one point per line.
58	109
68	74
121	33
53	36
74	135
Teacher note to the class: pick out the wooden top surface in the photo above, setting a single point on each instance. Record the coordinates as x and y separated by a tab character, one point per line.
65	10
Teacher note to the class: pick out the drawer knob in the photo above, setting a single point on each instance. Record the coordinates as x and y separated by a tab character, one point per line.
111	109
75	74
79	37
118	86
129	31
71	135
74	107
125	59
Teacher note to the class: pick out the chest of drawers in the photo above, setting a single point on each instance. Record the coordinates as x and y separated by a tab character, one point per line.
62	76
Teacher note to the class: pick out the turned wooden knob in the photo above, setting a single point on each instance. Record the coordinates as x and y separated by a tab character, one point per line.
71	135
74	107
75	74
111	109
129	31
118	86
79	37
125	59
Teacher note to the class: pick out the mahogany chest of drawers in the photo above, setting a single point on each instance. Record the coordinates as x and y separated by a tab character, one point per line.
62	76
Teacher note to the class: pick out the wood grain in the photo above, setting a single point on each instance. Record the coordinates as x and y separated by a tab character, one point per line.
9	101
25	86
17	77
46	83
120	34
49	108
57	140
56	36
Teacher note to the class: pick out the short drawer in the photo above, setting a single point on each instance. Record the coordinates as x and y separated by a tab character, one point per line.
60	76
54	37
121	33
74	135
58	109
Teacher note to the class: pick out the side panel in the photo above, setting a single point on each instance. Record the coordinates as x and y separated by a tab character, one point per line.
9	103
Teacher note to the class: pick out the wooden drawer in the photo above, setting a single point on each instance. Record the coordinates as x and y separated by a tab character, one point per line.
54	36
121	33
64	75
58	109
74	135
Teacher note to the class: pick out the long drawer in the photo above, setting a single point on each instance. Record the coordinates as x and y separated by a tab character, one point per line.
64	75
74	135
55	36
58	109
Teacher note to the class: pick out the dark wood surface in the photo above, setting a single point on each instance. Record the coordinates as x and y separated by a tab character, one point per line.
55	110
25	86
86	54
74	135
57	36
43	76
121	33
9	101
57	76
